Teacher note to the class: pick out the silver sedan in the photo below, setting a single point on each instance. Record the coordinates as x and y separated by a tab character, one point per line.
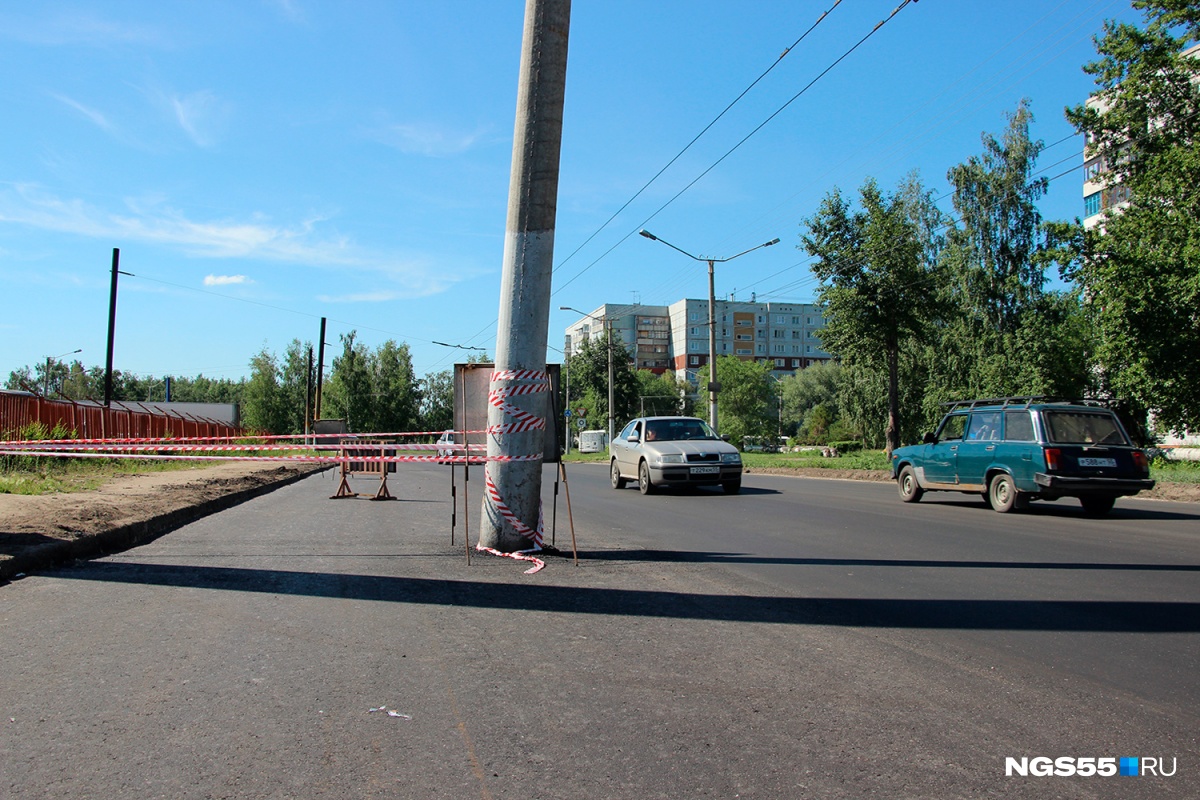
673	451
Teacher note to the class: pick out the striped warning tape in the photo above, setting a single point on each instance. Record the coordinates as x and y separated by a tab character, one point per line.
347	438
521	382
313	459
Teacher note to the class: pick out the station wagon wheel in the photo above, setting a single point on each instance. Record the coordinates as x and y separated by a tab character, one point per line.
1003	494
644	484
910	490
615	476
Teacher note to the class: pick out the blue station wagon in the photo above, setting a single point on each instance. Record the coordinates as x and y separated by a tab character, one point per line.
1014	450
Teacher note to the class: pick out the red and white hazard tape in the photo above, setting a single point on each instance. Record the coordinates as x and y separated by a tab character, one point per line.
519	555
527	381
122	453
348	438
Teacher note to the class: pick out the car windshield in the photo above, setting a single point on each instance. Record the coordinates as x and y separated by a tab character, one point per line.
1082	427
674	430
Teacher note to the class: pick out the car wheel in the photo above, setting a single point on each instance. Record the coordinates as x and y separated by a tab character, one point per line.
644	484
910	490
1097	505
615	475
1002	493
732	487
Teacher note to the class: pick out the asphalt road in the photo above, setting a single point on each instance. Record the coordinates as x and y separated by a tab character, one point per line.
806	638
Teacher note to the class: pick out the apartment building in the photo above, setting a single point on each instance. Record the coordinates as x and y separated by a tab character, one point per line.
1099	197
675	337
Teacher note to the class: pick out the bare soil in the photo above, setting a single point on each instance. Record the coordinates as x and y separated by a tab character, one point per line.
132	501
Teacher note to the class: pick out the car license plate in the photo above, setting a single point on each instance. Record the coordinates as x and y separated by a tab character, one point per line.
1097	462
706	470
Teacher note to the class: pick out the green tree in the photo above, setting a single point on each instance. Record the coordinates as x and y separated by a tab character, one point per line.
746	402
397	396
1004	333
264	407
589	382
805	390
1140	270
657	394
347	393
437	401
878	291
293	385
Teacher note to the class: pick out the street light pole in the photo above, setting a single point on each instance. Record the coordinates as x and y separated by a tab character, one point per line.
49	360
713	385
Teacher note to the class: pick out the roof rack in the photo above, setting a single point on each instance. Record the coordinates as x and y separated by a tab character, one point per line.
1025	402
995	401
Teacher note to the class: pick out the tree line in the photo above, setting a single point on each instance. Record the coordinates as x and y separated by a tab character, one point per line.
375	390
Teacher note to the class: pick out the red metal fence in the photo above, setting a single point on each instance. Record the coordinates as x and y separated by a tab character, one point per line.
94	421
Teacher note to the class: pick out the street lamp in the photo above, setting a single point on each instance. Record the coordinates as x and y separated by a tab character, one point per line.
608	338
55	358
713	385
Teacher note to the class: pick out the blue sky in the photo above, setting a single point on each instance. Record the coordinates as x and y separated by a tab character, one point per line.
263	163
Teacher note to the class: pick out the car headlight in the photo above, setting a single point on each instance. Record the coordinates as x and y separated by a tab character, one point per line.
671	458
731	458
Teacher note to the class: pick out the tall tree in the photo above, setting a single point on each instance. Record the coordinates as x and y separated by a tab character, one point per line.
350	386
1006	334
397	395
437	401
877	274
1140	269
264	408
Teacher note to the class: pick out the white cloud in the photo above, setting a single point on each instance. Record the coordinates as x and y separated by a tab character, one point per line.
300	244
361	297
225	280
426	140
201	115
97	118
79	28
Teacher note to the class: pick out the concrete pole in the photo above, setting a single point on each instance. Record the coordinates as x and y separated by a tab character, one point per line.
525	283
713	385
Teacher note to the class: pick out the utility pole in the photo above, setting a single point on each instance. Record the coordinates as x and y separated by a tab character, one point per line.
515	487
308	396
320	367
611	393
112	328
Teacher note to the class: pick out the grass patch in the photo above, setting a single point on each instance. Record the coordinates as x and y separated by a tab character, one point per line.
1166	471
75	475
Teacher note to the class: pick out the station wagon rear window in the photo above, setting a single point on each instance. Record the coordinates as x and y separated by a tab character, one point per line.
1081	427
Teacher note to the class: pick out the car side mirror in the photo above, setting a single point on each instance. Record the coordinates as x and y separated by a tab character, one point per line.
633	437
724	437
929	438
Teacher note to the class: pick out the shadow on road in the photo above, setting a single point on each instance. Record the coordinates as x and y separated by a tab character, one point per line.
677	556
1066	508
1026	615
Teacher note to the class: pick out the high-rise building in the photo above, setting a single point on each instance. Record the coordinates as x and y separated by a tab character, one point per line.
675	337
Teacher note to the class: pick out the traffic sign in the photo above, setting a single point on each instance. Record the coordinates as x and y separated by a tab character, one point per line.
567	412
582	412
581	423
